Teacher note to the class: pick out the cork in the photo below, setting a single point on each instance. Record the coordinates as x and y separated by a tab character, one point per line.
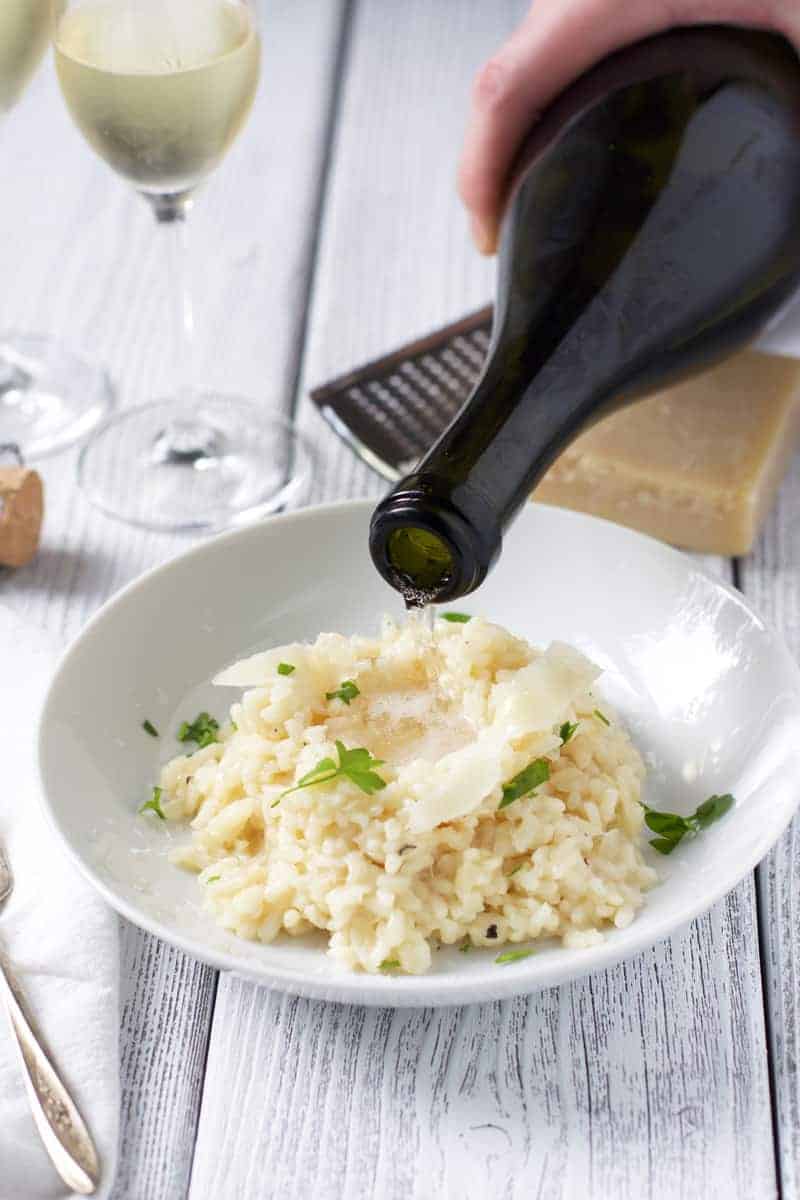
21	513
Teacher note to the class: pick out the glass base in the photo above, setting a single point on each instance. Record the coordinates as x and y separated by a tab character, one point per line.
49	397
195	465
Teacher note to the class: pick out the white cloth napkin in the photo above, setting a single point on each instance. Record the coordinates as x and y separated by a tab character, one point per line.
61	940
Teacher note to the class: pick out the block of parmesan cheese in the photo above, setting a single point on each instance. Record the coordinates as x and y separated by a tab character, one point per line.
697	464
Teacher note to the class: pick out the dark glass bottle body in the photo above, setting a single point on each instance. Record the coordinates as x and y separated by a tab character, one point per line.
652	229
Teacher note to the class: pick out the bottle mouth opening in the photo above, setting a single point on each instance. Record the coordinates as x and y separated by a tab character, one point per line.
426	549
422	564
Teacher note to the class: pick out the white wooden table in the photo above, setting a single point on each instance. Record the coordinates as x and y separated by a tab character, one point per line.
333	233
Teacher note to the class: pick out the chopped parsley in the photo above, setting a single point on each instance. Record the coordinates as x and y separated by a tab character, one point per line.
511	956
566	731
357	765
203	730
466	946
212	879
285	668
154	804
712	809
456	618
601	716
672	828
346	692
389	964
150	728
536	773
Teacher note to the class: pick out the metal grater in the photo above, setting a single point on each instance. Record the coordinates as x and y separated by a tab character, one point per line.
393	409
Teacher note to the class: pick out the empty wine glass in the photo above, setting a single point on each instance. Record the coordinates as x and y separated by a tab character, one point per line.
160	89
49	397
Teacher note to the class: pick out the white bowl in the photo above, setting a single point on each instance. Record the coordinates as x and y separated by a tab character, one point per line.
709	693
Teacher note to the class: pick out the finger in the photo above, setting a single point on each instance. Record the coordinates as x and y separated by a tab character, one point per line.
559	40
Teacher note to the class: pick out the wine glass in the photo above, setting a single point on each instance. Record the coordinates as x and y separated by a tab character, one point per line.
49	397
160	89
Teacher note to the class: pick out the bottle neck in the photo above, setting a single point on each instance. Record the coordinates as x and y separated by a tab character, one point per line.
432	541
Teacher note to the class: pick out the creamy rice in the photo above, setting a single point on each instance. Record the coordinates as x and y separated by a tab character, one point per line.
430	858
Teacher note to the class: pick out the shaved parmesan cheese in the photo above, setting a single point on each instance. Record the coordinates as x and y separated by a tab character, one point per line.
259	669
539	695
440	786
457	784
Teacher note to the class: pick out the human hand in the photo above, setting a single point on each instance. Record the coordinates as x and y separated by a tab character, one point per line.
557	42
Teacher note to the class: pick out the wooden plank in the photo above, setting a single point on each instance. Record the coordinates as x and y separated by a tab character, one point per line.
647	1080
166	1005
86	264
770	578
626	1084
395	260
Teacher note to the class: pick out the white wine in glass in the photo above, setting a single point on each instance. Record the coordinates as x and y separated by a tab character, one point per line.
24	35
160	89
49	397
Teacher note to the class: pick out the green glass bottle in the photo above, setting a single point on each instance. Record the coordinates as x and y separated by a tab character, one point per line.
653	227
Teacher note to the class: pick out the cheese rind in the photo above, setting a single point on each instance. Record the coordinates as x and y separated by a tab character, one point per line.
698	464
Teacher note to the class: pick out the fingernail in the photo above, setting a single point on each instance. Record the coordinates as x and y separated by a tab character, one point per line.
480	235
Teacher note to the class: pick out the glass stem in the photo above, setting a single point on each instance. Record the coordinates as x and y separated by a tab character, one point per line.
183	440
174	235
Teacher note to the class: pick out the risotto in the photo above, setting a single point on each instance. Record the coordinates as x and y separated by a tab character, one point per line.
414	789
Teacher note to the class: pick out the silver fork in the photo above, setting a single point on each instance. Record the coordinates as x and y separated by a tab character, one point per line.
66	1138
